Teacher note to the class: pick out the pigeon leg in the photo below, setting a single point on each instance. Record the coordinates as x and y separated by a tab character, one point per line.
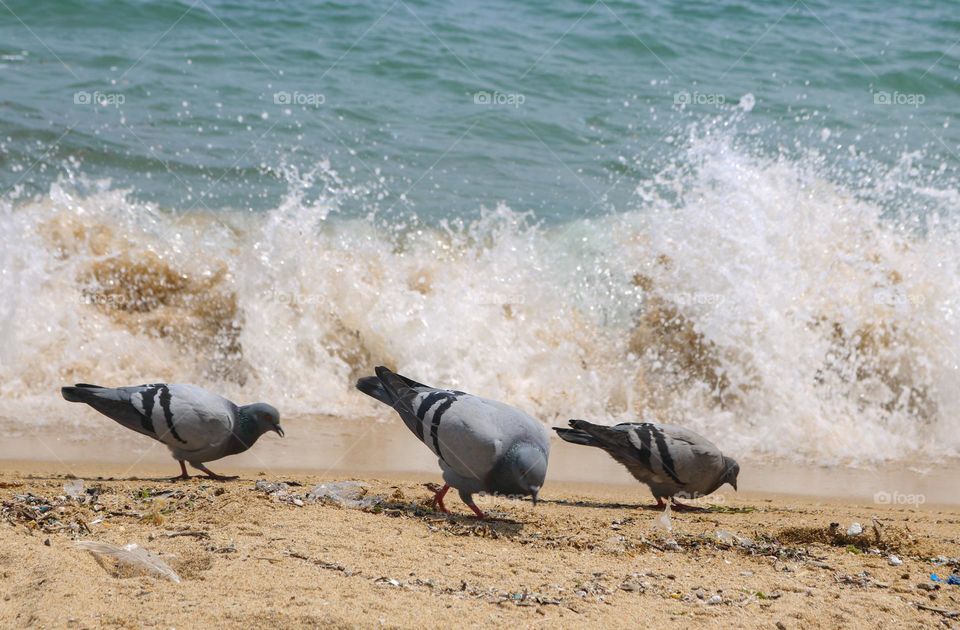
183	472
660	504
476	510
212	474
438	498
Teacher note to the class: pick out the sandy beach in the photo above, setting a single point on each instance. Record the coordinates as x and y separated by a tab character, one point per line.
588	554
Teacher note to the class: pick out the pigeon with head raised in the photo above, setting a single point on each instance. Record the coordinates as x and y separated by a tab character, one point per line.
482	445
196	425
672	461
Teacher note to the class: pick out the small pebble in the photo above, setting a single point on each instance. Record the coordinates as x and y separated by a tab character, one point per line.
855	529
894	561
716	599
781	626
47	542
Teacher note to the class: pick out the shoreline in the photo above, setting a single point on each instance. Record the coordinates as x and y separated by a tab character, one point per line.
334	446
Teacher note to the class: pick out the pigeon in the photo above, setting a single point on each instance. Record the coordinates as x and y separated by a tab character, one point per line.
671	460
196	425
482	445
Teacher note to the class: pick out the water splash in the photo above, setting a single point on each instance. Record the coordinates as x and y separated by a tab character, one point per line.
759	300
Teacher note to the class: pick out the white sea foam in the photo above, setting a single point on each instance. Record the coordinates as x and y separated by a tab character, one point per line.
756	300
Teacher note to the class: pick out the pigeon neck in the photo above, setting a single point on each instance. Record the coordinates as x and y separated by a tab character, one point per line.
246	432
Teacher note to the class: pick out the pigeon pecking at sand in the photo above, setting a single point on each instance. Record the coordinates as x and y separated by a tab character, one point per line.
196	425
482	445
672	461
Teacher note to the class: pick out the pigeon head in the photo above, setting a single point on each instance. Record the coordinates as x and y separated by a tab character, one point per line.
731	469
263	416
521	471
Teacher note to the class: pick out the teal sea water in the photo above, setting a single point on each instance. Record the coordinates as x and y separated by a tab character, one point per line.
740	216
220	100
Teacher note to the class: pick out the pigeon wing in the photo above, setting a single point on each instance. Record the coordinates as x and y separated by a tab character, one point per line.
641	447
416	403
468	436
695	459
186	417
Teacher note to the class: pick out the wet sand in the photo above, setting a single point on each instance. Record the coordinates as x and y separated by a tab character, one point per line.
323	445
588	554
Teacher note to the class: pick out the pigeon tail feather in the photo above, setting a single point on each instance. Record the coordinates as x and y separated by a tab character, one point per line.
576	436
81	392
372	386
111	402
601	435
401	392
397	380
398	386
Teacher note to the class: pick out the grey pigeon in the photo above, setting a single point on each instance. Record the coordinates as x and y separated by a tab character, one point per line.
482	445
196	425
672	461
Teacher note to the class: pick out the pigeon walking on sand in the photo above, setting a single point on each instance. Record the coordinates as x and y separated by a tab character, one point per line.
196	425
482	445
672	461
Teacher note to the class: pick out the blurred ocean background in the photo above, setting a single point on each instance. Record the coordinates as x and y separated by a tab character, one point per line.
741	217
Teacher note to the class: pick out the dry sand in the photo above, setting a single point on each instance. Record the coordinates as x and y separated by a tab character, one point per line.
586	556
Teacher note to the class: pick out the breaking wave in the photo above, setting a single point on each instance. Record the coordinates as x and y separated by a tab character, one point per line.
759	300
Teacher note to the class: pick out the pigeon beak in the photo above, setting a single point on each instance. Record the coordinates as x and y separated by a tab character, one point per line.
734	484
279	430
